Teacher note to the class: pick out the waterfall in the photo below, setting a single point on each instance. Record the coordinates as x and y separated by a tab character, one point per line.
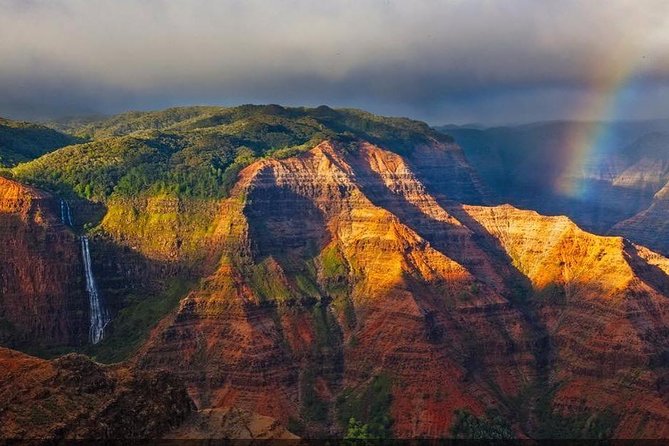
65	213
99	316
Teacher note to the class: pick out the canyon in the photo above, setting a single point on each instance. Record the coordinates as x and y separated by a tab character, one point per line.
490	304
610	178
364	271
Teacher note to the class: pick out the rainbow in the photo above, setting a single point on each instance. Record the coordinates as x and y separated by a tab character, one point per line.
613	88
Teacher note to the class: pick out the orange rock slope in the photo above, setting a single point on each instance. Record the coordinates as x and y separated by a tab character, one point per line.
342	266
348	283
322	286
604	304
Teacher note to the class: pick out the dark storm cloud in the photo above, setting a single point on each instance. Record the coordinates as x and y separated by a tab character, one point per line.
436	60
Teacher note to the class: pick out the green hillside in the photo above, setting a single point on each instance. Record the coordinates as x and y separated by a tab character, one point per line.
23	141
198	151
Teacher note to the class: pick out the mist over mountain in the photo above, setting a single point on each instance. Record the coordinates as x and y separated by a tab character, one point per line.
619	168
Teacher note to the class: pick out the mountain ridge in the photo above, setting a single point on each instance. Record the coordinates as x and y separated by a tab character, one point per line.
315	282
23	141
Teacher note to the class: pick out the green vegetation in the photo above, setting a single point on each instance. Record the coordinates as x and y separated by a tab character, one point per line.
131	326
93	170
313	408
489	427
328	333
6	328
306	285
533	408
334	269
368	408
357	431
267	282
327	355
49	352
23	141
198	151
273	120
598	425
343	305
295	426
334	264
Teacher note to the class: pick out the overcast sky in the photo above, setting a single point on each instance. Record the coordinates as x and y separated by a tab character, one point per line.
441	61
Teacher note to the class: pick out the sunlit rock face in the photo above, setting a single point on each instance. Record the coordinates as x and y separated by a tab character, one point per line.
340	268
351	277
603	303
322	286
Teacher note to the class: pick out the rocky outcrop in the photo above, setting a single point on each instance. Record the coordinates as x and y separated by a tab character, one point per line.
42	295
340	268
231	424
349	281
604	304
322	287
444	170
647	175
75	398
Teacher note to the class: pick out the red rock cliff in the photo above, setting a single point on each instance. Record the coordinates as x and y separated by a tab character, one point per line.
340	267
42	293
322	287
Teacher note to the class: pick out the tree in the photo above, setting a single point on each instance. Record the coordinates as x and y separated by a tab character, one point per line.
489	427
357	430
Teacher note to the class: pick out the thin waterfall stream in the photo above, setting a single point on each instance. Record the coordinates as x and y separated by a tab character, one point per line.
99	315
65	213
